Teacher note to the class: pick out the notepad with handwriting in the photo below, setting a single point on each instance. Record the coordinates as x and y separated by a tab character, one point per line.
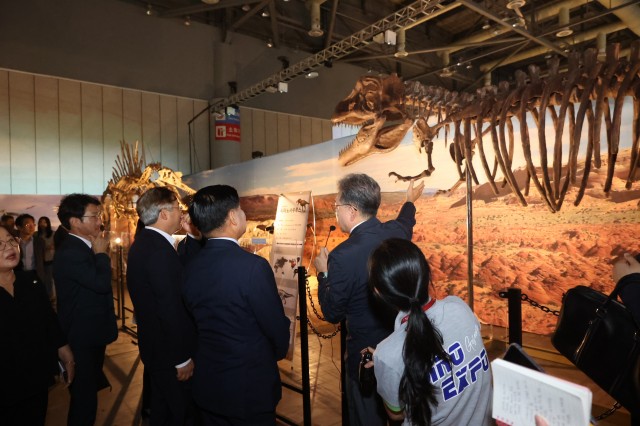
520	393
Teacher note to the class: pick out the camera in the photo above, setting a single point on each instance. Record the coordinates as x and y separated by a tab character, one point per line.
366	376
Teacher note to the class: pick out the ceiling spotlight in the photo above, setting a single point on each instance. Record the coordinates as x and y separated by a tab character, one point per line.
312	74
149	12
269	43
210	1
563	22
469	66
187	21
486	25
246	8
265	13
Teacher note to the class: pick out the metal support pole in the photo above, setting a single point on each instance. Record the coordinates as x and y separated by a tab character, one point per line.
469	236
343	373
514	295
304	346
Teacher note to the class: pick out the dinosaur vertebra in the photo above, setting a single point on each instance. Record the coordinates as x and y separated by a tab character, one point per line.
584	91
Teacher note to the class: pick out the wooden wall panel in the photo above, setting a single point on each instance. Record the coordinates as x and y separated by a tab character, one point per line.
316	131
92	139
47	154
132	116
246	133
184	114
5	135
70	101
327	131
151	126
113	131
294	131
283	133
258	121
168	132
23	143
271	132
305	131
203	137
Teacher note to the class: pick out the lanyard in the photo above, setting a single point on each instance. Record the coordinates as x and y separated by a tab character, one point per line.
425	308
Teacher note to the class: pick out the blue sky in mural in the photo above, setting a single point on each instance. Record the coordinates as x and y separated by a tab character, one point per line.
316	167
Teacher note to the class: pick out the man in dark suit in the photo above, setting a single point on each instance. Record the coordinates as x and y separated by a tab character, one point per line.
242	329
343	279
166	333
82	274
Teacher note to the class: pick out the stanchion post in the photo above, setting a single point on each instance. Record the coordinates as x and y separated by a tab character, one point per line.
514	295
121	285
343	373
304	346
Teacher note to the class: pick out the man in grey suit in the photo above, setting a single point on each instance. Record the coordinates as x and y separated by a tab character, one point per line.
343	279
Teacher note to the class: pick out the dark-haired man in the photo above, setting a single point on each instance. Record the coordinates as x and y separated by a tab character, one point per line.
343	279
242	329
166	333
31	247
82	275
8	222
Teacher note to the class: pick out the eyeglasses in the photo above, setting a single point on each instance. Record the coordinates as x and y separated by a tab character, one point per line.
335	206
12	242
95	216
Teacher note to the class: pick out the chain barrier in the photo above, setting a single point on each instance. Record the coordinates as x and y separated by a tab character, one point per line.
535	304
547	310
609	412
320	317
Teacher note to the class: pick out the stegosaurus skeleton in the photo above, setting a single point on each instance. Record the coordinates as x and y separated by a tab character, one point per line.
583	92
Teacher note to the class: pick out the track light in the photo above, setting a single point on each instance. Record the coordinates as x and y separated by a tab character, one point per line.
265	13
149	11
187	21
269	43
246	8
312	74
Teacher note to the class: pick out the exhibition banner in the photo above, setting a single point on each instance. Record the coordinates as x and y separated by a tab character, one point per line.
289	232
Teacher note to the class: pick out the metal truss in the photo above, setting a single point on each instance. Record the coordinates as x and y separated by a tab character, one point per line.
408	15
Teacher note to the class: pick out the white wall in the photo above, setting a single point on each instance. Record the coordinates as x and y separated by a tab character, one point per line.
59	136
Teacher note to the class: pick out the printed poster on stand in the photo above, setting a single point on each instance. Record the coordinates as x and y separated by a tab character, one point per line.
290	228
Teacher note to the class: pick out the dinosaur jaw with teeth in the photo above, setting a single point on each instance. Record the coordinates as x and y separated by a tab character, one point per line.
374	138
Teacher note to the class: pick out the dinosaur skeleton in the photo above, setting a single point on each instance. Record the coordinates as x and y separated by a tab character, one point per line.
591	89
130	178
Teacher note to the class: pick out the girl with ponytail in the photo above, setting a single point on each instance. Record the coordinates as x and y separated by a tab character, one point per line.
433	369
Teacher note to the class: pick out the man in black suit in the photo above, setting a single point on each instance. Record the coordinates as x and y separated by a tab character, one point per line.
82	275
343	279
166	333
242	329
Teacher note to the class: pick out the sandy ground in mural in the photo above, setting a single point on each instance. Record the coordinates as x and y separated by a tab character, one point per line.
542	253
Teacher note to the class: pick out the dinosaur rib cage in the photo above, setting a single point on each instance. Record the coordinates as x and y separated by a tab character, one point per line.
591	89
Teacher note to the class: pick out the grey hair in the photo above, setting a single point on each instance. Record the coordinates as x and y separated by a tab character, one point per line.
361	192
152	201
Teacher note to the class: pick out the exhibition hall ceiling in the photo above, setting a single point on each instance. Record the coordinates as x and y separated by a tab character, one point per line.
455	44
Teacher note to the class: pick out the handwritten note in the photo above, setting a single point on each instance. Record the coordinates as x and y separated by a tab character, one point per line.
520	393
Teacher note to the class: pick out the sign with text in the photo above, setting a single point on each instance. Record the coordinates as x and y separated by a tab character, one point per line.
290	228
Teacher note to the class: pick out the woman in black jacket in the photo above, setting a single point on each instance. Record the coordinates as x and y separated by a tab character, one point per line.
31	341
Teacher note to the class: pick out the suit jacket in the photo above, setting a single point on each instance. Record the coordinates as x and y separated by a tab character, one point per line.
345	292
84	294
166	333
242	330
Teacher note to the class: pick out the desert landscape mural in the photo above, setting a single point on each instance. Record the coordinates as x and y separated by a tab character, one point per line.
541	253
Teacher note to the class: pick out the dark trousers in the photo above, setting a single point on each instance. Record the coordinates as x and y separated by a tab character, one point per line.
84	389
171	400
30	411
262	419
364	411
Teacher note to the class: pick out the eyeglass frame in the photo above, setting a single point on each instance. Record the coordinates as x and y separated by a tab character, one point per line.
335	206
13	242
